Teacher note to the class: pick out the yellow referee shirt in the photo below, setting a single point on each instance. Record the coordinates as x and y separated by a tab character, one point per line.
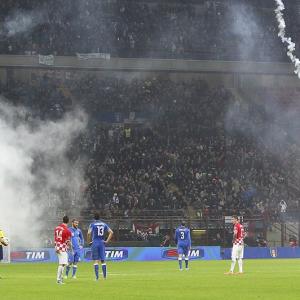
1	234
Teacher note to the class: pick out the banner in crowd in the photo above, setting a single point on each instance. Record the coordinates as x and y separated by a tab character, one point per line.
47	60
152	228
265	252
119	254
93	56
145	230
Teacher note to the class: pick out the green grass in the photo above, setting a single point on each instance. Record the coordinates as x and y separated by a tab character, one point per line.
263	279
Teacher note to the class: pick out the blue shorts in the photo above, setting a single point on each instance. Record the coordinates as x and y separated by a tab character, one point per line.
183	249
74	257
1	252
98	251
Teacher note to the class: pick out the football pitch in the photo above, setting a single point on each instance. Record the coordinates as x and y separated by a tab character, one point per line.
263	279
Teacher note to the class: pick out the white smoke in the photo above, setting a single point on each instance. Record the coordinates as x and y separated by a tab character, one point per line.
245	27
21	22
33	162
286	40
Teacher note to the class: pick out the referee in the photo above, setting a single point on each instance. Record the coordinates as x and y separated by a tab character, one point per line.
2	243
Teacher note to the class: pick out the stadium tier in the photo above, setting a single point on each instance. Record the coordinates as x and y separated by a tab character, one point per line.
163	29
156	148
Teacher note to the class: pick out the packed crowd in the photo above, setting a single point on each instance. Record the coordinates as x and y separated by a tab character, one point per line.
225	30
185	153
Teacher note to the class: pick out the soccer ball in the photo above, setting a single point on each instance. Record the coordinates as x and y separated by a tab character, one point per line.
5	241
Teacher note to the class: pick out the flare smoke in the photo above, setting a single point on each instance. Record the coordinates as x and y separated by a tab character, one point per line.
286	40
34	165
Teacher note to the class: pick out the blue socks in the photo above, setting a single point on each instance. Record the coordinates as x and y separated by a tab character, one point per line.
68	270
180	263
104	270
186	263
74	270
96	266
186	260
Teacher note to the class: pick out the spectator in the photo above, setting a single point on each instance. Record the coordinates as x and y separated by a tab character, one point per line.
180	157
283	206
202	30
167	241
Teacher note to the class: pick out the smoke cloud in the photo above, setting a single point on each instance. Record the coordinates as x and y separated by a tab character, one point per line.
286	40
34	164
245	27
271	122
242	118
21	22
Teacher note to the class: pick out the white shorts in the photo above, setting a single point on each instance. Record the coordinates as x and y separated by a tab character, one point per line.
237	251
62	258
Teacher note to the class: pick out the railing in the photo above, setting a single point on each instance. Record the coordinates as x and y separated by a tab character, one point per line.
137	213
204	231
211	230
144	64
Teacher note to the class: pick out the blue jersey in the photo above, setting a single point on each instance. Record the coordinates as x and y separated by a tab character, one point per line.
98	231
77	239
183	236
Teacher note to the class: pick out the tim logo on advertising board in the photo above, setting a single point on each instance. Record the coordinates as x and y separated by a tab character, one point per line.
195	253
110	254
29	256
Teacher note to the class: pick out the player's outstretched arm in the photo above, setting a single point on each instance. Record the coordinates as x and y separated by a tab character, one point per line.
110	235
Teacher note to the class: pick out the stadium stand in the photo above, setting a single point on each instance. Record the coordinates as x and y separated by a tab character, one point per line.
181	154
157	29
156	148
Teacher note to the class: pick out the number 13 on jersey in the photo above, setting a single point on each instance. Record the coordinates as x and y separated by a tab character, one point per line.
100	230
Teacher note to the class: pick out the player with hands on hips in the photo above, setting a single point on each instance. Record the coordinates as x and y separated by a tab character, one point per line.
96	237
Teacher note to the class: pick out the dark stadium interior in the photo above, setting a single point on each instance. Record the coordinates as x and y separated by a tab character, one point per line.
159	150
158	29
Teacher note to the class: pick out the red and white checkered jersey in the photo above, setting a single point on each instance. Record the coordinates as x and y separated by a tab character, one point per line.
62	236
239	234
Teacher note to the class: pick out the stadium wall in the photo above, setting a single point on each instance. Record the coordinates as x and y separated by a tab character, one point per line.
28	75
134	64
225	73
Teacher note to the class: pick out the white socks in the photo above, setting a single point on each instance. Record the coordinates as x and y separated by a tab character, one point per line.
60	272
232	265
240	262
